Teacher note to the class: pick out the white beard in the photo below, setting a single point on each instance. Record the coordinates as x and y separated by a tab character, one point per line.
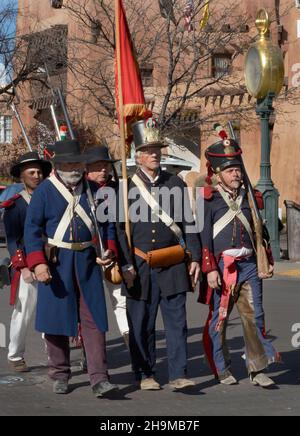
70	178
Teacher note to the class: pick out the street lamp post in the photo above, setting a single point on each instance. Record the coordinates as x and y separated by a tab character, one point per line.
264	74
264	110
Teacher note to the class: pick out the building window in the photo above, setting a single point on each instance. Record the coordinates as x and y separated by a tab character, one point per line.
56	4
147	75
221	65
5	128
48	46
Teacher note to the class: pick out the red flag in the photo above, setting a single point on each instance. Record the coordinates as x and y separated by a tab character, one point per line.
128	75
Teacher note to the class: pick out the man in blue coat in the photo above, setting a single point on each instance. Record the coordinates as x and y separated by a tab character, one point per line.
31	170
60	239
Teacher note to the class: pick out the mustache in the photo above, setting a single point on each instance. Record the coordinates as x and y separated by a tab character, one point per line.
70	177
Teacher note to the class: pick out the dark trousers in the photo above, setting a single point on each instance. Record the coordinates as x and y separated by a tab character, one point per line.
141	319
94	342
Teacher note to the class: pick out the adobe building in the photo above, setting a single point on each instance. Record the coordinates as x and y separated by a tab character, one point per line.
52	31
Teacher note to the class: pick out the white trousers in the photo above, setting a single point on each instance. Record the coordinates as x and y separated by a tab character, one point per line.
21	318
118	302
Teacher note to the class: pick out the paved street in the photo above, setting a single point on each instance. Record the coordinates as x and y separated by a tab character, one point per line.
32	394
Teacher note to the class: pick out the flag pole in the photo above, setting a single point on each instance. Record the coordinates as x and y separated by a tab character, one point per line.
121	121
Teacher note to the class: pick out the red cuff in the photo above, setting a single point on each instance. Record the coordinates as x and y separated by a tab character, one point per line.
15	281
36	258
19	260
207	192
209	263
111	245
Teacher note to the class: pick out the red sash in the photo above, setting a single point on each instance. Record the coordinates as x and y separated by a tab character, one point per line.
229	283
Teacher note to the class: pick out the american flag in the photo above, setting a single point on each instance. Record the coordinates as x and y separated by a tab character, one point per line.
189	12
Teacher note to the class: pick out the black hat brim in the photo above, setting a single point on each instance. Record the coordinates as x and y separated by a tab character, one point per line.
233	163
46	166
151	144
69	159
94	159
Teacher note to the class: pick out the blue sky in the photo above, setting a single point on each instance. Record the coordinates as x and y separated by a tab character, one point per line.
7	30
10	24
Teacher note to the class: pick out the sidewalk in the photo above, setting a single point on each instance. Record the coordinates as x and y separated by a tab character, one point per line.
287	269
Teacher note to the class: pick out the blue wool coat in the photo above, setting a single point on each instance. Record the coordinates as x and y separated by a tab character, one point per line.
14	220
57	311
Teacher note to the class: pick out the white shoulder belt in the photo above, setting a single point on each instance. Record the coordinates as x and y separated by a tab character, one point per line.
69	212
234	211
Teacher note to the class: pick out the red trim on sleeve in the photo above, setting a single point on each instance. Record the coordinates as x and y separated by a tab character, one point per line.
19	260
14	287
209	263
36	258
111	245
8	203
207	192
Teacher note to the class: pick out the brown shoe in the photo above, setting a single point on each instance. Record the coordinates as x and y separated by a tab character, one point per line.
149	384
181	383
18	365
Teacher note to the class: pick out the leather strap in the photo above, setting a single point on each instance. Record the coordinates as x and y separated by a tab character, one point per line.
140	253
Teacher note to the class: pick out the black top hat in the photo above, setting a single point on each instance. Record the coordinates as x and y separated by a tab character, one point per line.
146	134
224	154
97	154
28	158
68	152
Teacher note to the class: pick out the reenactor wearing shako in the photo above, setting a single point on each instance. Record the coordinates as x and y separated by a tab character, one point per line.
161	238
230	266
60	239
31	170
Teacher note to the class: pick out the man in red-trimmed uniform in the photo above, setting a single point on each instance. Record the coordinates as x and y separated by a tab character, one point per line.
230	268
31	170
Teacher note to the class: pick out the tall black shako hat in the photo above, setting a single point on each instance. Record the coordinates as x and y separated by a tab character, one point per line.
67	151
146	134
31	157
223	154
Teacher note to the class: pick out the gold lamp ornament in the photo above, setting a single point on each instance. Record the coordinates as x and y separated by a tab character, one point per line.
264	66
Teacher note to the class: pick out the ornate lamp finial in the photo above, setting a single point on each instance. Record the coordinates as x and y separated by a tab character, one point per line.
263	23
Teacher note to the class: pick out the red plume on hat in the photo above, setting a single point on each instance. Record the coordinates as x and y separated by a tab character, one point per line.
224	153
220	131
223	134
